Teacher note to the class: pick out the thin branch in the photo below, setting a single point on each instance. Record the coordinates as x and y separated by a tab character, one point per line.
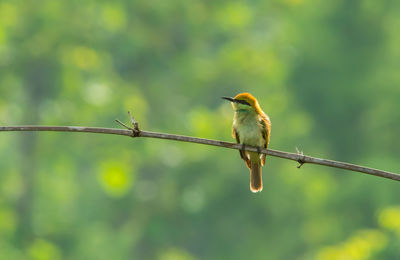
123	124
135	132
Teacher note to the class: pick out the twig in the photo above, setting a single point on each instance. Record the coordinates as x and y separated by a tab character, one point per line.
136	132
300	159
135	129
127	127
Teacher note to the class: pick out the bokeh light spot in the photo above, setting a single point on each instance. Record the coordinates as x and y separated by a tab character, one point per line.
115	180
390	218
44	250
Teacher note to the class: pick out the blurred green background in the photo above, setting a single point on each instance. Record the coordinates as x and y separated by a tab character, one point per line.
326	72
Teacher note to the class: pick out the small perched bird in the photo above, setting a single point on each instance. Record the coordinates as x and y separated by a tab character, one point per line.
251	126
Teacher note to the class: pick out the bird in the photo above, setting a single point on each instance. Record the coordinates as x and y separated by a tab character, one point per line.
251	126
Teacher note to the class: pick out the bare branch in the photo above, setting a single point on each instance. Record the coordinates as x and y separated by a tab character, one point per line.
124	125
135	132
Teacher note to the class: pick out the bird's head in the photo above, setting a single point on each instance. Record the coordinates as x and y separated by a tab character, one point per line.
244	102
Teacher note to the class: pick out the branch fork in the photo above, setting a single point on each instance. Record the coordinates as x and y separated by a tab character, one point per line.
301	158
135	129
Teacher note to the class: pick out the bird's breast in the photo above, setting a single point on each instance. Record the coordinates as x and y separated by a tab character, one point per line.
249	131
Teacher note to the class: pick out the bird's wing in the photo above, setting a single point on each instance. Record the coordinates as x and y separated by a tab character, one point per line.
242	153
266	132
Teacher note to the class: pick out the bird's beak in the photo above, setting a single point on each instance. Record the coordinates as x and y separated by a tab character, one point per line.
229	99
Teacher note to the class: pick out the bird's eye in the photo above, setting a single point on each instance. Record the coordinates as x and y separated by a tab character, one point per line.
244	102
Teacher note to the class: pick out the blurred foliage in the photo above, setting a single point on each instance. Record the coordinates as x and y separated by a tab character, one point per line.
326	72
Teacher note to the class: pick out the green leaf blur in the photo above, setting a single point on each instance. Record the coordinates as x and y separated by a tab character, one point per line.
325	71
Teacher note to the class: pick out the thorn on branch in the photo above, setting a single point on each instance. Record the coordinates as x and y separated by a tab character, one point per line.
300	160
135	129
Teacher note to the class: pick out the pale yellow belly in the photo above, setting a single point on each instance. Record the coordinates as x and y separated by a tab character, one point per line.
250	134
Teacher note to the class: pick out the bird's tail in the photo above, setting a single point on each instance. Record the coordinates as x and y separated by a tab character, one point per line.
255	172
